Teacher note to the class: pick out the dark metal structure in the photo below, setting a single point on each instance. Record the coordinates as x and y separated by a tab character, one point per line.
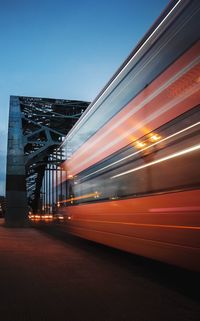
37	127
2	205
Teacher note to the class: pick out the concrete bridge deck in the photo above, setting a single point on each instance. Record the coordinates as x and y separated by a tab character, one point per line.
43	278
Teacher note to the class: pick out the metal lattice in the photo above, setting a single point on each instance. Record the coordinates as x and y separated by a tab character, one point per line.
41	124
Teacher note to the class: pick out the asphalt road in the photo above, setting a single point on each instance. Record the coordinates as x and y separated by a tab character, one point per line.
46	275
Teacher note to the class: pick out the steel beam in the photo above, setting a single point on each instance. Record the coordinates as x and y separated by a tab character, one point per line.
37	127
17	206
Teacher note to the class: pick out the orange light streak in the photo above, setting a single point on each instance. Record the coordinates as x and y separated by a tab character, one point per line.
95	195
145	225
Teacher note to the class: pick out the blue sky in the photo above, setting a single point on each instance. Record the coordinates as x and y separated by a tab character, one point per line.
65	49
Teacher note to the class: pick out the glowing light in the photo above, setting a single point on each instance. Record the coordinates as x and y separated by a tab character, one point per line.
185	151
48	217
154	137
35	217
97	194
45	217
140	145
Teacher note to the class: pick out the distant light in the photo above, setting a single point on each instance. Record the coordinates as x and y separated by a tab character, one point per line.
97	194
48	217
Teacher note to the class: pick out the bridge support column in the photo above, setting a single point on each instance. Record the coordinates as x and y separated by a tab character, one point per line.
17	209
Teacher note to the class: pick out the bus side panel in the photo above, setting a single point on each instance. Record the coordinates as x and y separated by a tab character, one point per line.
164	227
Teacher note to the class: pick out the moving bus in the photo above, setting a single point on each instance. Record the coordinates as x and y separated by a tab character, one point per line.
132	159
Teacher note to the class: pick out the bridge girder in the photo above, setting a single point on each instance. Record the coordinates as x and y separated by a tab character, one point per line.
37	127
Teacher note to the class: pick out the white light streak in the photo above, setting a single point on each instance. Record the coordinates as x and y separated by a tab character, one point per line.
136	53
169	105
143	149
182	152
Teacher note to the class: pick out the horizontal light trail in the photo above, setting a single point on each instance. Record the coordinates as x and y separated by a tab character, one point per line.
141	150
130	131
175	209
95	195
142	225
140	105
183	152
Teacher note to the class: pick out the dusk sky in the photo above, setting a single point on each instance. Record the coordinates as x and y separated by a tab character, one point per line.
65	49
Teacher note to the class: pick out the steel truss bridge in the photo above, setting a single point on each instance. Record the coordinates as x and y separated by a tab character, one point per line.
37	127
